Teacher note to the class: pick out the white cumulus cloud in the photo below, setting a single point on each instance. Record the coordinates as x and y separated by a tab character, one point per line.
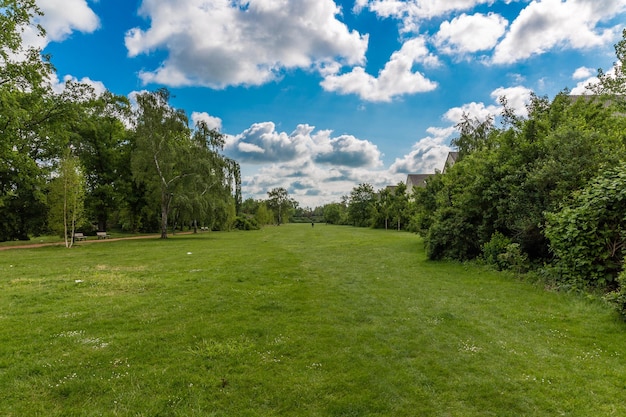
427	155
262	143
548	24
397	78
468	34
222	43
413	12
476	110
212	122
60	19
517	98
59	86
583	72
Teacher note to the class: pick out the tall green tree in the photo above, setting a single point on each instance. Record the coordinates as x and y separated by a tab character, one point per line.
361	205
334	212
278	200
383	207
33	124
162	154
183	168
101	142
400	206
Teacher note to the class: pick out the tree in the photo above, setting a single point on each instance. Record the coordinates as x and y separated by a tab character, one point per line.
263	215
473	134
399	205
162	149
279	202
361	205
212	184
614	82
383	207
100	143
26	110
67	193
333	213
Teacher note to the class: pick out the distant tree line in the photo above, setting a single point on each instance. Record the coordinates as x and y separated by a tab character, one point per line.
77	160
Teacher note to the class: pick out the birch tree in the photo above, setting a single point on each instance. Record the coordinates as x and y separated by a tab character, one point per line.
66	198
161	159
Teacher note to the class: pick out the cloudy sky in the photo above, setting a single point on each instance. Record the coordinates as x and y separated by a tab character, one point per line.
318	96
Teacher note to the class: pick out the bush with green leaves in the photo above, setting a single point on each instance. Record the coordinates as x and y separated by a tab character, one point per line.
246	223
588	236
494	248
618	297
452	236
504	254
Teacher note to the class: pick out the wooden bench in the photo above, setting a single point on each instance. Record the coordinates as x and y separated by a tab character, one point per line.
79	236
102	235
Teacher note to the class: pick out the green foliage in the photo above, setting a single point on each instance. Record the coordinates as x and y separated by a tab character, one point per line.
279	202
425	205
246	223
181	168
452	236
335	213
508	178
102	144
588	235
617	298
494	248
67	198
361	206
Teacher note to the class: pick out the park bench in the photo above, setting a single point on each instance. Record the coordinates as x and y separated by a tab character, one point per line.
79	236
102	235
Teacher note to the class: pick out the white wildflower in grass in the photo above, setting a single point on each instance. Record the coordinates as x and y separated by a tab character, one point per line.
270	357
594	353
469	346
71	333
78	281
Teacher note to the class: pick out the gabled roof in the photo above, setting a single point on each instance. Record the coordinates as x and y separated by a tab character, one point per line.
391	188
416	180
450	160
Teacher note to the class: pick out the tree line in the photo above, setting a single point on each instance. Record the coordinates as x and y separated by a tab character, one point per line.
544	193
77	160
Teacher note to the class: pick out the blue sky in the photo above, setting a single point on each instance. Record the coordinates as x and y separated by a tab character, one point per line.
318	96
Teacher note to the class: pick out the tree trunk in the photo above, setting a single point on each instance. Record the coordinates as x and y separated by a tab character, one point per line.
165	205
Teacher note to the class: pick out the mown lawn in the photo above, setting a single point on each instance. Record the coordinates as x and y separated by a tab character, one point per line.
294	321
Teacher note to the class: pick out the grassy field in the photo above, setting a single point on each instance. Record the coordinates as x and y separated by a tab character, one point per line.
294	321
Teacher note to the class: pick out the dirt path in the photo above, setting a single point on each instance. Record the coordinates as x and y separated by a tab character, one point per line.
41	245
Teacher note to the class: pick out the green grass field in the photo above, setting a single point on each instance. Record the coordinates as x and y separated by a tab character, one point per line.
294	321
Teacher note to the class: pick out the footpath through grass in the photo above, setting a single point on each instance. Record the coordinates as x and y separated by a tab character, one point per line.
294	320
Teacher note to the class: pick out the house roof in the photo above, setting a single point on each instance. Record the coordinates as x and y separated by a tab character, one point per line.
450	160
416	180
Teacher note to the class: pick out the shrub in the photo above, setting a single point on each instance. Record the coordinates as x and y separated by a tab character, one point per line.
494	248
246	223
452	236
618	297
588	236
513	258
